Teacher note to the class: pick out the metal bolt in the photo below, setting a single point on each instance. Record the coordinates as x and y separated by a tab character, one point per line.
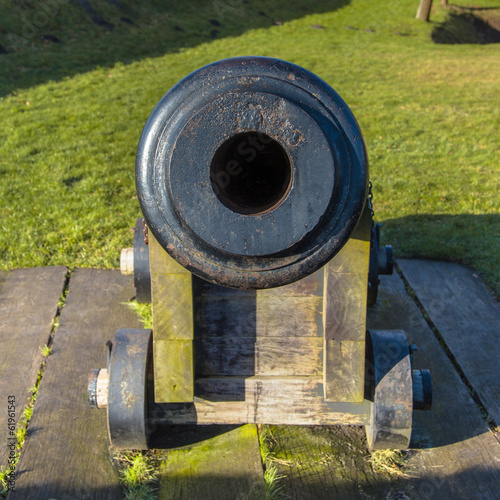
412	348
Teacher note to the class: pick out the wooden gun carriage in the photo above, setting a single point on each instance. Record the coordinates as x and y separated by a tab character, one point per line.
259	254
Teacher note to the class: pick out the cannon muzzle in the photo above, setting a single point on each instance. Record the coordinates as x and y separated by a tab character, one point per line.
252	172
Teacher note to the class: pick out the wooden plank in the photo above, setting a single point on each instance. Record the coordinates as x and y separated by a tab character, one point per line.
344	316
321	463
245	356
66	451
255	314
237	400
174	366
28	305
310	285
173	306
173	326
203	412
459	457
345	360
345	306
289	316
467	317
355	254
455	455
225	467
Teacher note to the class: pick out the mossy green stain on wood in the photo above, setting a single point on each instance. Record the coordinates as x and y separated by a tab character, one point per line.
354	256
172	306
324	462
173	327
174	371
227	466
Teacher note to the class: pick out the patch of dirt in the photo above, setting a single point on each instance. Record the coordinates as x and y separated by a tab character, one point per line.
468	27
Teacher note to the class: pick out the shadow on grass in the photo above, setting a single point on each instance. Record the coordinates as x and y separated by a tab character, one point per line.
472	7
461	28
466	238
42	41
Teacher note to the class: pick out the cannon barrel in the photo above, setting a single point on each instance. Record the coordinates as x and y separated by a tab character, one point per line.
252	172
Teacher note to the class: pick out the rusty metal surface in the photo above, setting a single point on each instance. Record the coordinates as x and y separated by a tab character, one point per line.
142	275
389	387
381	262
128	389
422	390
92	388
252	172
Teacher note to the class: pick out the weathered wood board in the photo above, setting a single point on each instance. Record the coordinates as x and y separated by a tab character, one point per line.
66	457
246	356
455	455
327	463
458	456
28	306
344	316
275	332
254	313
310	285
467	317
66	451
172	303
285	400
225	467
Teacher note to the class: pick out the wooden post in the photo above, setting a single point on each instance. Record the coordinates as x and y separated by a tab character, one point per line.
172	302
424	10
344	317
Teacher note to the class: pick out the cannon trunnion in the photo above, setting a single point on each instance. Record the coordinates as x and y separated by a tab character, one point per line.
252	176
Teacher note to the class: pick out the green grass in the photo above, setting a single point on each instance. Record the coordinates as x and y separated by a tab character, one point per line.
45	350
272	476
72	114
274	489
21	432
144	311
137	475
24	420
392	462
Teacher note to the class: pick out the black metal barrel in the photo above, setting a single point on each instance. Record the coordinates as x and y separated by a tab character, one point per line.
252	172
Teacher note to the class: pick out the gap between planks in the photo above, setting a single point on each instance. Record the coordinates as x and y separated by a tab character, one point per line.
28	305
66	452
465	319
458	456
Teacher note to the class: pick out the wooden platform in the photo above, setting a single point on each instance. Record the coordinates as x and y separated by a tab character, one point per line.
453	320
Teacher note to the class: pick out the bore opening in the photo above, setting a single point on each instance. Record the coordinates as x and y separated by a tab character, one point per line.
251	173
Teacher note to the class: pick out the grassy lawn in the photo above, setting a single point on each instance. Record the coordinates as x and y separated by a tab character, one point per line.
72	112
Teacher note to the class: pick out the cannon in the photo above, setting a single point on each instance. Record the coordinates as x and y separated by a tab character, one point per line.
259	253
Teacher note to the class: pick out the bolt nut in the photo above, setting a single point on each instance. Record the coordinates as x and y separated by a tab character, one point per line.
385	259
422	390
127	262
98	388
